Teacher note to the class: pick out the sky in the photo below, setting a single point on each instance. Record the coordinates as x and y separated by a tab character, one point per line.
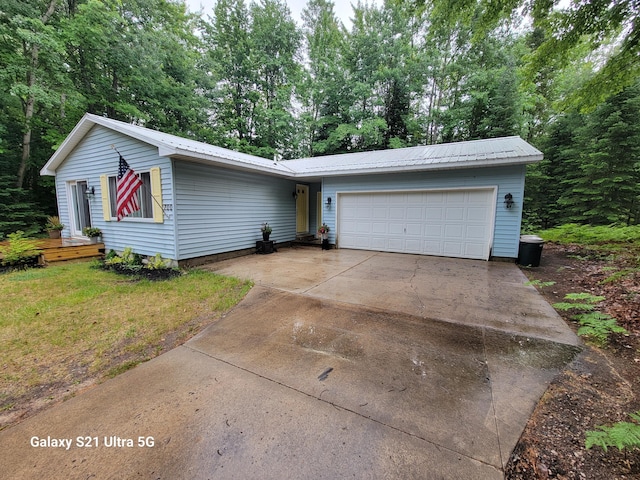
342	8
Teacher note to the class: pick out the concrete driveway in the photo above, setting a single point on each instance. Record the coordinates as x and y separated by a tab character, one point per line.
337	364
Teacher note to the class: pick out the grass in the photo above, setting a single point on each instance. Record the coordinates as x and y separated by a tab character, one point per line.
63	323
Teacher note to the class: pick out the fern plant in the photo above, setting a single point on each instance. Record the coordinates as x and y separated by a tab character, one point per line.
540	283
596	326
20	251
622	435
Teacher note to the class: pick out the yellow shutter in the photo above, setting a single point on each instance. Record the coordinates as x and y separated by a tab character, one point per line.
156	193
106	204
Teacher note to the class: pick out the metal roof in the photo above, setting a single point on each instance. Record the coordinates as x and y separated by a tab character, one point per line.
477	153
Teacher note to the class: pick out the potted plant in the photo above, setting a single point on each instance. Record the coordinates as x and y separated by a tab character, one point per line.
266	231
54	227
323	230
93	233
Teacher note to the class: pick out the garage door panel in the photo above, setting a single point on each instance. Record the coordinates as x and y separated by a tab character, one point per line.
378	243
446	223
452	249
434	231
454	213
474	232
396	228
453	231
415	212
434	213
396	244
363	227
379	228
415	229
455	196
363	212
413	246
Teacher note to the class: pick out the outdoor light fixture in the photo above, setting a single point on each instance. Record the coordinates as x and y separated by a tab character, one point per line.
294	194
329	201
90	192
508	200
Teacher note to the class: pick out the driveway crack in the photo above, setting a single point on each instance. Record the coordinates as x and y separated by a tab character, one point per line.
413	287
341	272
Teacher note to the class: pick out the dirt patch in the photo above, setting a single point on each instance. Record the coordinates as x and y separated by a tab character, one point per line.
601	386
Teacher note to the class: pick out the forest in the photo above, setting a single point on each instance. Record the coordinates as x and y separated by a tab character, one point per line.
563	75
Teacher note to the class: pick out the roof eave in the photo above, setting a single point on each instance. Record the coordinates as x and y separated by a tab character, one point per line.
421	168
79	131
187	155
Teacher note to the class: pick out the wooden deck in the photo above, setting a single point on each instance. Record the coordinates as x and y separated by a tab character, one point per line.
57	250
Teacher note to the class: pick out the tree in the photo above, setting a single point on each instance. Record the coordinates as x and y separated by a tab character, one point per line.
229	66
136	61
324	91
276	42
31	51
609	24
604	188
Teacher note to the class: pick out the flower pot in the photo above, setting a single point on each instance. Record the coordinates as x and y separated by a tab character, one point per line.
94	240
55	233
265	236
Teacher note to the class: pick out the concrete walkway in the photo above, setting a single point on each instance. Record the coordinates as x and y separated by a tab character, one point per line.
337	364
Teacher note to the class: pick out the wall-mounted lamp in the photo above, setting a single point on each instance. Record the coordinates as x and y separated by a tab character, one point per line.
294	194
328	202
90	192
508	200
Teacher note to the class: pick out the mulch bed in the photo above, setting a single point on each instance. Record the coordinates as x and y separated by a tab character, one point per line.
600	387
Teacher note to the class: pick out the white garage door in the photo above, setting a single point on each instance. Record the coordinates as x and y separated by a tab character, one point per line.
451	223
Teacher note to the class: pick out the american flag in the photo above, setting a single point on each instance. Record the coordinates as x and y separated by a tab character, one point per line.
127	185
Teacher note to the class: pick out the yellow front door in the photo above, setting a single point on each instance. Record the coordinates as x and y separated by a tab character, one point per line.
302	209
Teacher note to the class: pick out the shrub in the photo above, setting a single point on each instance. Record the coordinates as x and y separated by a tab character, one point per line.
130	263
157	263
20	251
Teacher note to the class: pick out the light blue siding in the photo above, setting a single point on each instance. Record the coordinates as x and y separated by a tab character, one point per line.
94	157
507	179
221	210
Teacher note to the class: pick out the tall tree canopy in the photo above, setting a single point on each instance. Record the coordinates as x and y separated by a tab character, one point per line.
407	72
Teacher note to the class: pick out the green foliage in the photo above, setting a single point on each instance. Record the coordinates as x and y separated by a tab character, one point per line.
592	235
91	232
622	435
596	326
625	272
404	73
131	263
582	302
19	251
157	263
54	223
540	283
128	258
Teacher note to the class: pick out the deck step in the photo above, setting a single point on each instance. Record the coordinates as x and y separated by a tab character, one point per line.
72	252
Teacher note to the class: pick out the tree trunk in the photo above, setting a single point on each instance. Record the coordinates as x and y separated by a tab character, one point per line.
30	103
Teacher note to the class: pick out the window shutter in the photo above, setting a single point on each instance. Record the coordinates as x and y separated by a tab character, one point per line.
106	204
156	193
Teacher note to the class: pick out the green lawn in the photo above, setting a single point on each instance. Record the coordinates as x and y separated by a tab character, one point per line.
64	324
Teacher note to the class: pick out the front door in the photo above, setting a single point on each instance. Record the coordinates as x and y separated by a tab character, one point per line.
81	213
302	209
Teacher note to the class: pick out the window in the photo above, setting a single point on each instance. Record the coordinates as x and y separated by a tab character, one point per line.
145	200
